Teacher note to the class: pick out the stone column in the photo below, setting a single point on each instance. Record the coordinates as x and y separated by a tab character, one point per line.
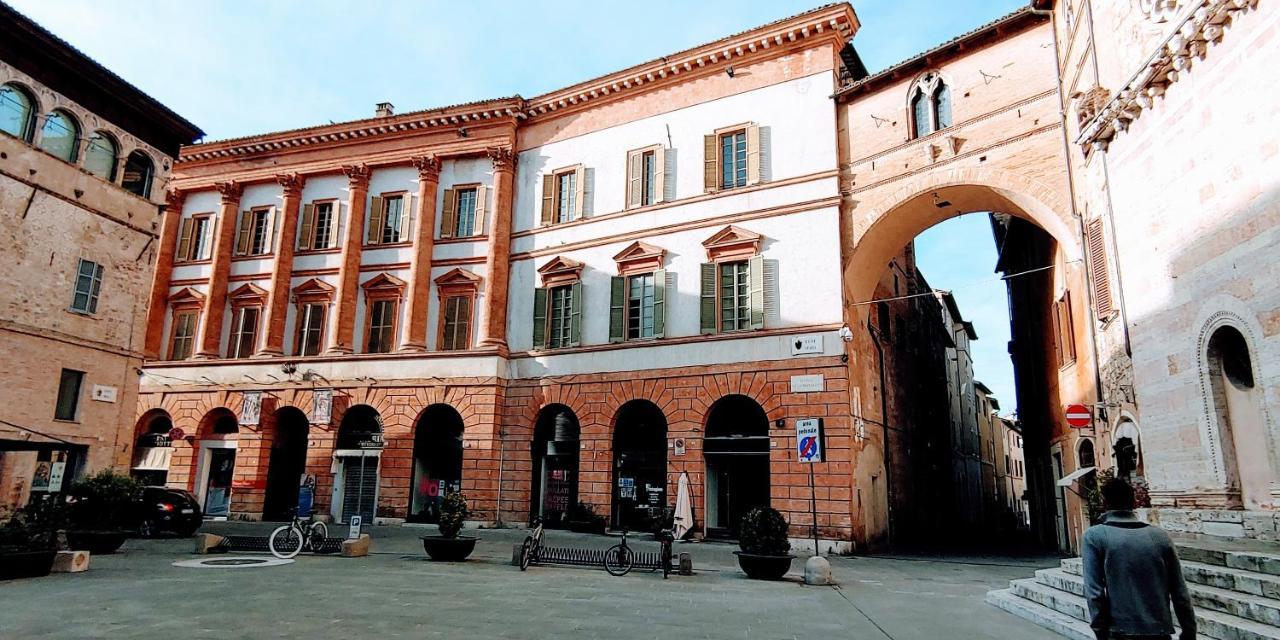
498	262
224	240
170	223
342	337
419	299
282	269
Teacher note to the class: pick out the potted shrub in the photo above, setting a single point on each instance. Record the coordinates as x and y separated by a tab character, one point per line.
584	519
29	540
102	511
765	553
449	546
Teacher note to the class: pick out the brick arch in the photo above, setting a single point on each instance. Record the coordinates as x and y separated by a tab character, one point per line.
205	428
548	395
754	385
149	416
455	397
652	390
882	225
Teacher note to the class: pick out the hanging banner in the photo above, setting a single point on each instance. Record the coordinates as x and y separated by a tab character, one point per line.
251	409
322	406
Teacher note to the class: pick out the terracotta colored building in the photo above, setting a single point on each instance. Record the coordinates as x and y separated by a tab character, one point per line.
84	157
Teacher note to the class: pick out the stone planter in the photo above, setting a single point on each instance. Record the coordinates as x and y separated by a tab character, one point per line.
764	567
96	542
26	564
442	549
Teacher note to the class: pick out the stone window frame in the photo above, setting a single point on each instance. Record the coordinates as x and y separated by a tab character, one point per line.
730	245
185	301
557	273
458	283
449	209
551	199
312	292
638	259
378	213
306	232
383	287
927	86
247	296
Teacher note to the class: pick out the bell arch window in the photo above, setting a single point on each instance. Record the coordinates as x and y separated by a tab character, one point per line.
17	112
139	173
60	135
100	157
930	105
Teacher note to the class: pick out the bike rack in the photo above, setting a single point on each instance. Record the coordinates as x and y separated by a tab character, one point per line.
579	557
259	544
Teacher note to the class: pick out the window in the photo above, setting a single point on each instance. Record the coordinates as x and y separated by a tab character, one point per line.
387	220
382	326
310	329
638	306
100	156
930	105
456	333
17	112
557	305
1065	342
464	209
60	136
559	317
139	173
317	231
563	192
88	283
735	302
566	193
244	331
255	233
184	333
645	176
1099	275
731	158
68	394
193	238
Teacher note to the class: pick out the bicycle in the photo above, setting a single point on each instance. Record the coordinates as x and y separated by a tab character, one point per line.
532	547
291	539
619	558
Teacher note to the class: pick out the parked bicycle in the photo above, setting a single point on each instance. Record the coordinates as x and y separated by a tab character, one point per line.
531	550
620	558
289	540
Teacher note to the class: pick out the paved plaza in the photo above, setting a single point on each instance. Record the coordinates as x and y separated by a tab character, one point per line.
397	593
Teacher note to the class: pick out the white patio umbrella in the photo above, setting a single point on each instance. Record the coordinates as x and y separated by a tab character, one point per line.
684	507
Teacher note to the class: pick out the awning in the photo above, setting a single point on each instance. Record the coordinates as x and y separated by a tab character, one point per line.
153	459
1070	478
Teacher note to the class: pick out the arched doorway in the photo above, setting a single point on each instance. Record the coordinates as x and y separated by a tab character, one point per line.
736	448
355	487
1237	406
1127	450
287	463
437	461
554	490
639	466
216	461
152	450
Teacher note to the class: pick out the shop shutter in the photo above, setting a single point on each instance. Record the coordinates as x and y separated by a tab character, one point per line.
1098	265
449	222
246	228
548	199
755	287
373	235
753	154
580	193
575	315
539	318
635	178
617	309
306	233
659	303
184	241
708	312
710	168
482	207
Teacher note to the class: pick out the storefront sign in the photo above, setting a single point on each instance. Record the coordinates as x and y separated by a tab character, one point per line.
248	484
56	472
322	406
251	409
103	393
369	441
150	440
806	345
806	384
809	440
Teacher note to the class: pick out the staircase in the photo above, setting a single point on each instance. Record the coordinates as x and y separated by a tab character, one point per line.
1235	588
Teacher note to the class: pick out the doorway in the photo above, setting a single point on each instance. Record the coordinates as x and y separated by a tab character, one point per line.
287	463
639	467
215	464
1060	500
555	465
355	487
437	461
1237	403
736	449
152	450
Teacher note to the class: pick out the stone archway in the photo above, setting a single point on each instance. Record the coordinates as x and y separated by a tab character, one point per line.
215	461
358	457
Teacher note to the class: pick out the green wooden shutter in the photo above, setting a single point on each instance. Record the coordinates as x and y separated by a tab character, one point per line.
376	216
755	284
246	227
548	199
575	315
659	303
449	221
184	241
539	318
708	298
618	309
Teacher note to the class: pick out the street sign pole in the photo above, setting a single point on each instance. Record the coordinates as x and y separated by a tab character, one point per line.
809	450
813	507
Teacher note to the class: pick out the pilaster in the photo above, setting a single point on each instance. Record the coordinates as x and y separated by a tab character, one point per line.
498	262
223	244
282	269
170	222
415	338
342	338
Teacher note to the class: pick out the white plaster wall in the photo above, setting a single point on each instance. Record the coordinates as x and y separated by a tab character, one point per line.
379	367
797	118
465	171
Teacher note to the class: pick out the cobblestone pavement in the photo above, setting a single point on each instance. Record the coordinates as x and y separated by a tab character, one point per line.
397	593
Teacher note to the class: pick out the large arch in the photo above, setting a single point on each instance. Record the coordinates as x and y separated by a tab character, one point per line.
286	462
1238	410
216	460
554	455
358	456
152	450
736	451
437	460
639	494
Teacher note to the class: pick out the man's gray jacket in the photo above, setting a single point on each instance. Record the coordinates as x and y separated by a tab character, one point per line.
1131	574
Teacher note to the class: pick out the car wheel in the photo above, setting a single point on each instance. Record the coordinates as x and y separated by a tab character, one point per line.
147	528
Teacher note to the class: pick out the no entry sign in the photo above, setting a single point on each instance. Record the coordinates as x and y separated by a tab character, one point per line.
1079	415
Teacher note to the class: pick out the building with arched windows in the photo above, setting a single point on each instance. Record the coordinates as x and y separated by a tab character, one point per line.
82	153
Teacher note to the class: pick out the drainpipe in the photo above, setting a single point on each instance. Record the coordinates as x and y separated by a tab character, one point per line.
884	417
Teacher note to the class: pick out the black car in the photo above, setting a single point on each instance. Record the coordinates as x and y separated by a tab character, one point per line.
161	509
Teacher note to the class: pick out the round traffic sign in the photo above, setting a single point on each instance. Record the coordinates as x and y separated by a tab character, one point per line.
1079	415
177	433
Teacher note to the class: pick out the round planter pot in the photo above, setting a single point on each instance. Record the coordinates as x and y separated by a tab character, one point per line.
96	542
442	549
26	564
763	567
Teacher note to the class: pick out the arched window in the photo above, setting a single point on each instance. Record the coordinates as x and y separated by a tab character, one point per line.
100	156
930	105
17	112
60	136
139	173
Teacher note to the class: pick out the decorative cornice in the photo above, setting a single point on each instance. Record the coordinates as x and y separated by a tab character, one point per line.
560	270
173	199
1205	24
731	243
229	192
292	183
502	157
357	175
428	167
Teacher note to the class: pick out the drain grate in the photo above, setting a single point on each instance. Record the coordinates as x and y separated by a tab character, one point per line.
239	562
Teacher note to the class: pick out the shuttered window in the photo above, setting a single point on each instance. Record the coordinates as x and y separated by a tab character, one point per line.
254	237
1100	276
310	329
193	239
638	306
566	196
317	226
184	332
733	160
735	296
88	284
393	219
244	331
457	323
1064	342
465	213
559	317
382	326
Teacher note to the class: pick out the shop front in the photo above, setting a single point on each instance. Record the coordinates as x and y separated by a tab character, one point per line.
555	465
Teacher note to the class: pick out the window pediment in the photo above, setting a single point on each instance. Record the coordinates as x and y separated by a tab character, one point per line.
248	295
459	281
384	285
732	243
187	298
313	290
640	257
560	271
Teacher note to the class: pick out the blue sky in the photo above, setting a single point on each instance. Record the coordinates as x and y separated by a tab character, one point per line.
236	67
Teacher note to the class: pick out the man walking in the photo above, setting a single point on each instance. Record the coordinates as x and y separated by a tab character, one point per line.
1132	573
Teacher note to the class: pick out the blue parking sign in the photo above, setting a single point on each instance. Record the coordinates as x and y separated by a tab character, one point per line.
809	440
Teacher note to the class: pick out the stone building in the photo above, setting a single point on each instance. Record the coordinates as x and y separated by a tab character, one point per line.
84	158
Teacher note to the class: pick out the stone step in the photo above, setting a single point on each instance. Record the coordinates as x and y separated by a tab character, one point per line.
1212	575
1224	626
1256	561
1064	602
1059	623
